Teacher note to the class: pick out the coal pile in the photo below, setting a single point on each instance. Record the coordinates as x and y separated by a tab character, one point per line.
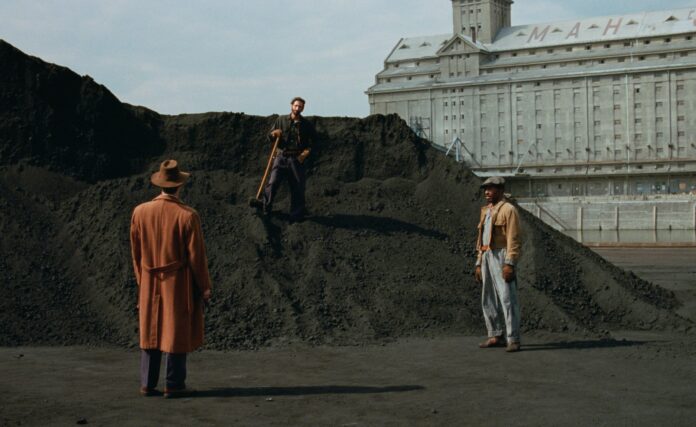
387	251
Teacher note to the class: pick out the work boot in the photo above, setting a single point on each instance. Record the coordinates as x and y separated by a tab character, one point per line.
492	342
178	393
512	347
149	392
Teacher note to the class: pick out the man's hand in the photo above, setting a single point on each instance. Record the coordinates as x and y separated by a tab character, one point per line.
508	273
303	156
477	274
206	295
276	133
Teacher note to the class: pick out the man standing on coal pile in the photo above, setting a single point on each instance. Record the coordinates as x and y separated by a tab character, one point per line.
498	247
171	269
297	136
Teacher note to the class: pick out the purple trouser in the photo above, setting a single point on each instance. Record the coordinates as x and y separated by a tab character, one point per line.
287	166
150	361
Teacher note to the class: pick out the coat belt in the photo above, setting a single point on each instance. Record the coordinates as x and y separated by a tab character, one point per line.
172	266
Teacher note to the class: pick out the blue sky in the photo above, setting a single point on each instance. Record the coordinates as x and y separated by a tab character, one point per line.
248	56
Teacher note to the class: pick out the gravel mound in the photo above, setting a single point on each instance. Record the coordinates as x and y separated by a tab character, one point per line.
387	251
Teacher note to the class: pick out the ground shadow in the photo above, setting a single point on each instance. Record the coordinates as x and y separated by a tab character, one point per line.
303	391
582	345
273	232
381	225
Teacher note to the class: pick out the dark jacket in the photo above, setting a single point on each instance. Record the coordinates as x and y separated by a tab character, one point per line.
297	136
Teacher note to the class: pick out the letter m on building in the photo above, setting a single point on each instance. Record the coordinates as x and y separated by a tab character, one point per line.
539	35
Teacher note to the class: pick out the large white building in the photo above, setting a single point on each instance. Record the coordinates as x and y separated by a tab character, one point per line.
601	106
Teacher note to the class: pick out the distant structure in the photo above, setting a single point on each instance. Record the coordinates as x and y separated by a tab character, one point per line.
594	107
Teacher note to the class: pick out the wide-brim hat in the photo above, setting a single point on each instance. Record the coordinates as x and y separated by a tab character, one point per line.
169	175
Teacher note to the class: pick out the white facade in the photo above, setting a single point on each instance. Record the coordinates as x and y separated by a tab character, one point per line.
599	106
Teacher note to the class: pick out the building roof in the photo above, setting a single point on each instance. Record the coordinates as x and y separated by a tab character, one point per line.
599	29
589	30
418	47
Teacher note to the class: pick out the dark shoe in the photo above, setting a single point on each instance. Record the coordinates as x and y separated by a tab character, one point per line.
513	347
149	392
178	393
492	342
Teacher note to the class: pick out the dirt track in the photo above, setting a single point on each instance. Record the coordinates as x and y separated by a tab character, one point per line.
646	380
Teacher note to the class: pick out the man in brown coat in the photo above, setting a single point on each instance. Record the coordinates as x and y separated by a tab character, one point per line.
171	269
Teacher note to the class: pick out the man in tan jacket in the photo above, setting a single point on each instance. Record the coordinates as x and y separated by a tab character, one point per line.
171	269
498	247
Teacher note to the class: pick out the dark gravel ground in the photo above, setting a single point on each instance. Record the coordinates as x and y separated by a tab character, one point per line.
386	252
641	379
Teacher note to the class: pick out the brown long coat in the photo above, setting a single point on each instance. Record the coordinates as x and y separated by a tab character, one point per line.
171	269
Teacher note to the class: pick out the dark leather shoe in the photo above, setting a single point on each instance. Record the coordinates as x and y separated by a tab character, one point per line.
149	392
178	393
492	342
513	347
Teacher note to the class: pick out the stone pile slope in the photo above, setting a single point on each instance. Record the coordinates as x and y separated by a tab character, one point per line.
387	250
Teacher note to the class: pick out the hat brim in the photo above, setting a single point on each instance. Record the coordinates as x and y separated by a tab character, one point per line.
160	181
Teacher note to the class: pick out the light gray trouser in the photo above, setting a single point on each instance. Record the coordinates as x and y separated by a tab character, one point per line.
499	298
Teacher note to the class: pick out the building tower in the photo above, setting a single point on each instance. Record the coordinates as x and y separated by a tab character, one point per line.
481	19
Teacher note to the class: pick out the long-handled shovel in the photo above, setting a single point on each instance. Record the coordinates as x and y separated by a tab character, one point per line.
255	201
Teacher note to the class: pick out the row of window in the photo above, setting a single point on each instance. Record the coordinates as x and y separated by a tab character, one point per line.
637	137
631	43
584	63
598	84
617	107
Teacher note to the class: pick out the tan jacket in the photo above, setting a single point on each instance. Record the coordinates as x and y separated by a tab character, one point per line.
505	233
171	269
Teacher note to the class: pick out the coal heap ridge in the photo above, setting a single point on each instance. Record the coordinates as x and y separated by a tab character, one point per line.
386	252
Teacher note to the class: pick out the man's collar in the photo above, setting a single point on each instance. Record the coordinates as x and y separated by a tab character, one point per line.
168	197
496	204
